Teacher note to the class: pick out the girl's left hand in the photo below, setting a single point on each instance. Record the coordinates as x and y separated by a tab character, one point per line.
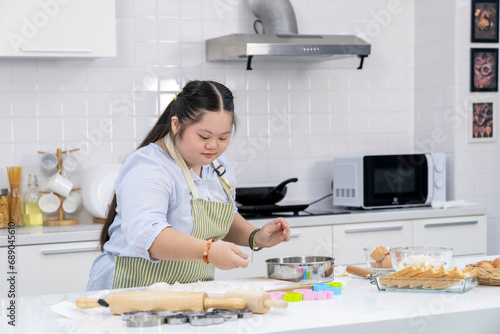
272	233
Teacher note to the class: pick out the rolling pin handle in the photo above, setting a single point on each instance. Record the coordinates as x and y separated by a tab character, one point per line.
276	303
87	303
226	303
359	271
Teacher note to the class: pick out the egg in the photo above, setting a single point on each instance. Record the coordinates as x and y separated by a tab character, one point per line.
496	262
486	265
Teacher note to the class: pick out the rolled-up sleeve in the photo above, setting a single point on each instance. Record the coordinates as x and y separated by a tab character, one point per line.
143	194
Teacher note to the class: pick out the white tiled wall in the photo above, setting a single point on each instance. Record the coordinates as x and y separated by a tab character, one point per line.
442	93
294	117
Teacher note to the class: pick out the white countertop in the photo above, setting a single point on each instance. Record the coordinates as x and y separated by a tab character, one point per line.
360	309
90	232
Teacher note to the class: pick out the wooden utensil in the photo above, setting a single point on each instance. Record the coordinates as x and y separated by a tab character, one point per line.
128	301
258	301
360	272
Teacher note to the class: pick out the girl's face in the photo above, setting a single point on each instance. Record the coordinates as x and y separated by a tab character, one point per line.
205	141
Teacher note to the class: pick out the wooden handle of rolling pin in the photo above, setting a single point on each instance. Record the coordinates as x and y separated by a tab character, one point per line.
276	303
87	303
358	271
128	301
258	301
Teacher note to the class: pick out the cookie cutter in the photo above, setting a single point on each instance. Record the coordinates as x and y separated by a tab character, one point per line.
143	320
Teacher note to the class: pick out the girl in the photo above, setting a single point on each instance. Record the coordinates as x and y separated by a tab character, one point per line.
173	217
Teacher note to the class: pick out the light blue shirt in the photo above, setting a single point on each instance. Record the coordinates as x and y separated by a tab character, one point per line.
152	194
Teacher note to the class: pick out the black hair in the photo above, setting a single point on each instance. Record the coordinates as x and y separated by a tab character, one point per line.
190	105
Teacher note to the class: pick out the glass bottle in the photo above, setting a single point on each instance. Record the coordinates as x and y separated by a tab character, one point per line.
32	214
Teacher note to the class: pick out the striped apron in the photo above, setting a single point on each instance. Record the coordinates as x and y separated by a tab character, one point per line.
211	220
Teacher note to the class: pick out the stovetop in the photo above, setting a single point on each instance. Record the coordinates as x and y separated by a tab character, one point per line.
274	211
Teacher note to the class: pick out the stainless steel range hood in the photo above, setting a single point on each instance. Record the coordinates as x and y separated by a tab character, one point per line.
281	41
279	47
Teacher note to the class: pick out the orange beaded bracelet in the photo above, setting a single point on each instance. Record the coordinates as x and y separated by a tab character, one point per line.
207	248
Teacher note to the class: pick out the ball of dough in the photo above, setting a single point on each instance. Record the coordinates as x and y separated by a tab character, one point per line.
386	262
379	253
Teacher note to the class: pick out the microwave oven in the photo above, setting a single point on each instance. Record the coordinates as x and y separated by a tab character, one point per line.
388	181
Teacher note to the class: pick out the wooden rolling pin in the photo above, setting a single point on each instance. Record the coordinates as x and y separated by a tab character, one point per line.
258	301
128	301
361	272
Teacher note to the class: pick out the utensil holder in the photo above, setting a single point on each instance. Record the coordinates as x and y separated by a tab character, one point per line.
60	221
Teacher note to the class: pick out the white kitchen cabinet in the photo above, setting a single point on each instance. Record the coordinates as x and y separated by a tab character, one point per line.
350	239
466	235
58	28
304	241
53	268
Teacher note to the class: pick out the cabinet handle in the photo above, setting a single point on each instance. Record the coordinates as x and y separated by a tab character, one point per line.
294	234
374	229
472	222
67	50
68	250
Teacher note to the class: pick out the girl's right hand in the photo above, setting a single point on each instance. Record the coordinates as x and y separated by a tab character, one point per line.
226	255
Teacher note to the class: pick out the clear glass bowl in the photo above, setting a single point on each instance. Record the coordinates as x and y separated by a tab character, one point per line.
402	257
384	265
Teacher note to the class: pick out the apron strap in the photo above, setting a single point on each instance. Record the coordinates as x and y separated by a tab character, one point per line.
219	169
221	172
181	163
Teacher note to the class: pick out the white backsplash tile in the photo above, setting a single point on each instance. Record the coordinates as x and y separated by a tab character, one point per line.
6	104
75	129
191	31
49	104
145	30
145	8
24	77
25	130
145	54
168	8
74	104
124	29
169	30
192	55
74	79
6	126
279	148
191	9
24	104
50	129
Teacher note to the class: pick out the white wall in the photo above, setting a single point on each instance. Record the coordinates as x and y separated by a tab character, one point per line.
313	112
442	94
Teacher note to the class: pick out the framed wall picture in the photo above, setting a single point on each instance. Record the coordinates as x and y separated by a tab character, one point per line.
484	21
482	120
484	70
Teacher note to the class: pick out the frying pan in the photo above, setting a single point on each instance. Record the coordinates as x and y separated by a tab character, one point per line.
262	195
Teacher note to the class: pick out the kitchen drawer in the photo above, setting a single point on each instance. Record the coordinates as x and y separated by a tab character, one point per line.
466	235
349	240
55	268
304	241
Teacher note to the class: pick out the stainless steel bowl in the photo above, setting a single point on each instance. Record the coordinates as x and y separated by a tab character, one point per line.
301	269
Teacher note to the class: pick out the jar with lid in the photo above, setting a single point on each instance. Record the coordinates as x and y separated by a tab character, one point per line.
4	208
